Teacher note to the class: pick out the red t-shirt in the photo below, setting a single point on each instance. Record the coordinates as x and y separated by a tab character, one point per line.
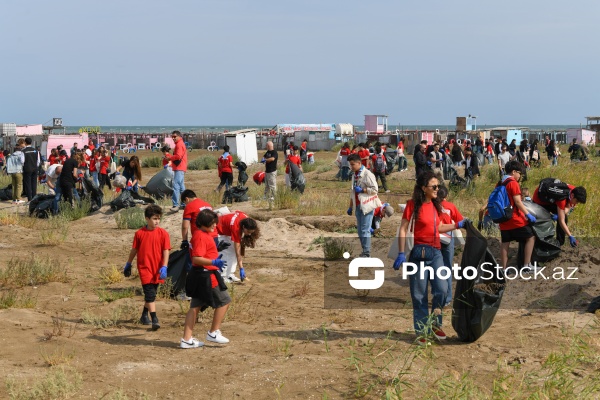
562	204
53	160
203	245
344	152
378	212
191	211
294	160
518	220
450	213
63	159
362	154
229	225
303	146
225	163
150	246
104	163
91	147
166	159
374	160
426	226
93	164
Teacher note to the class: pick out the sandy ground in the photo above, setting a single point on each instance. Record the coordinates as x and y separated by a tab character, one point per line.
284	343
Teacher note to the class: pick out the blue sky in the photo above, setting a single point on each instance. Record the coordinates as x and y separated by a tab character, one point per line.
263	62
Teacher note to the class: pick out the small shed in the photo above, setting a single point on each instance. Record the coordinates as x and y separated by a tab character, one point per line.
243	144
509	133
376	123
344	129
583	136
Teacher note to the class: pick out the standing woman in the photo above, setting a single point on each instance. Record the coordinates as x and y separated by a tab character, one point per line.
104	160
425	208
94	167
132	171
68	177
363	181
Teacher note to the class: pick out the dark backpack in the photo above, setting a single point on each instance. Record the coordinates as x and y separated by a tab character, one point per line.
380	164
499	206
552	190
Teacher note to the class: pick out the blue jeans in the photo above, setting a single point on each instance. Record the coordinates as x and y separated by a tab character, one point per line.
345	174
418	287
178	186
448	257
95	178
57	196
402	163
363	225
490	158
554	161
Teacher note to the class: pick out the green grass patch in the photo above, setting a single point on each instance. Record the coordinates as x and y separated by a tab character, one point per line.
58	383
152	162
108	295
130	218
77	211
33	271
204	162
12	299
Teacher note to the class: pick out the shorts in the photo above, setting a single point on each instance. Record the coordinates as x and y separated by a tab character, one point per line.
518	234
150	292
221	298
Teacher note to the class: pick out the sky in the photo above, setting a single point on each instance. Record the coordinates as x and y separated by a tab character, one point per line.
263	62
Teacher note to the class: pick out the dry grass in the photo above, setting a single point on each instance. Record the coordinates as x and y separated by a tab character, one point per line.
33	271
57	356
111	274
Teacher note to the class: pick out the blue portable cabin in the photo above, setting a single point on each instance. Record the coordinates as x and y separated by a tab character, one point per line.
509	133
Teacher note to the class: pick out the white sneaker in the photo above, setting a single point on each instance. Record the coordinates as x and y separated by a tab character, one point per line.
216	337
191	344
18	202
183	297
233	279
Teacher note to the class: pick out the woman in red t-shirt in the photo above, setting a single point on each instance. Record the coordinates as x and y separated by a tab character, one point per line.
104	164
293	158
53	158
423	214
94	167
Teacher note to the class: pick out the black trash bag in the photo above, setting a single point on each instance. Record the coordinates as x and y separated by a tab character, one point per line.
594	305
477	300
160	185
41	205
390	161
94	193
242	178
546	246
297	179
456	181
124	200
139	199
6	193
179	263
235	195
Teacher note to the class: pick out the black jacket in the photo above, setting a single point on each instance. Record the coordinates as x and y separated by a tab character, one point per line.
32	159
474	167
420	163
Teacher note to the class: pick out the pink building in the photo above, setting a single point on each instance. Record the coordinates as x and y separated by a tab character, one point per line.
376	124
29	130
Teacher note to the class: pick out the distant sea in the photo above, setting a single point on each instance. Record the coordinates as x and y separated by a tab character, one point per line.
222	128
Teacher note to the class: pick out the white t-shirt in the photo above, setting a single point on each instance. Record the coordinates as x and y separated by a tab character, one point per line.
504	158
51	172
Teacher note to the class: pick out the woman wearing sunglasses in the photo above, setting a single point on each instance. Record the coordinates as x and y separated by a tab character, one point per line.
425	208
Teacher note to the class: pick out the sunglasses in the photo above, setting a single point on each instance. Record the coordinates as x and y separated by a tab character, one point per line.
435	187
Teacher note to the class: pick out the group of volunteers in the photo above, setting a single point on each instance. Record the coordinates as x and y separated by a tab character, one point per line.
431	220
207	236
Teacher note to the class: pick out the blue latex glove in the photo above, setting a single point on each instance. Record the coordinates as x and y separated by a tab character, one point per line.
384	205
166	166
217	262
242	274
358	189
130	188
127	270
371	230
264	160
349	212
531	218
429	163
117	173
554	217
461	224
162	272
573	241
399	260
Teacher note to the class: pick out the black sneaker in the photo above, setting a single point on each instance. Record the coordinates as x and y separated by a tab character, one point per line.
155	324
145	320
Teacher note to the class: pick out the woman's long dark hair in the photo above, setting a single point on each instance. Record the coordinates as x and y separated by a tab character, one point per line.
137	169
418	196
249	240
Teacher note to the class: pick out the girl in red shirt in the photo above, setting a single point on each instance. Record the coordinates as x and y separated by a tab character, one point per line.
423	214
104	163
293	158
225	169
94	167
53	158
166	160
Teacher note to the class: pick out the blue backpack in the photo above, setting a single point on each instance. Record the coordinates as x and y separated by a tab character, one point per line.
499	207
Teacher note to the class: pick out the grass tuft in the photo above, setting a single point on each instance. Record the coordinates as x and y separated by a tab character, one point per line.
130	218
33	271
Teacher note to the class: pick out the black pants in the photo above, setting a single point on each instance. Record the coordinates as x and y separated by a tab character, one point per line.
226	180
383	180
104	180
560	234
30	184
67	192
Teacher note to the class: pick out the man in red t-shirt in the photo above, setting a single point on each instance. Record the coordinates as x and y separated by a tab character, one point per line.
206	263
517	228
364	154
151	245
193	207
561	209
231	228
225	168
293	158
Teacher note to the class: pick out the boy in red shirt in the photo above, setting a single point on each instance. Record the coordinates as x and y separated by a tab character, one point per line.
378	214
517	228
166	160
151	244
204	283
364	154
193	207
225	169
293	158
